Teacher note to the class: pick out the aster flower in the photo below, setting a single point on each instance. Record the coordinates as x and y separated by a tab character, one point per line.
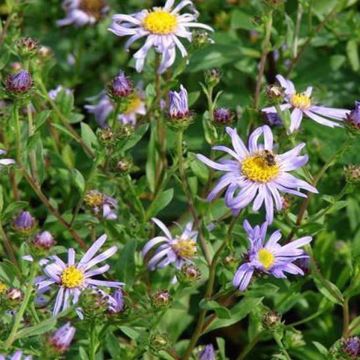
351	346
162	27
53	94
72	278
62	338
171	249
256	173
82	12
105	107
5	162
44	240
101	204
302	106
120	86
353	118
269	257
19	83
178	104
18	355
208	353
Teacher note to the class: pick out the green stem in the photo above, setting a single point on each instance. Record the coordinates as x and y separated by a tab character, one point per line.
16	119
281	346
250	346
92	341
20	314
8	247
32	154
346	318
138	203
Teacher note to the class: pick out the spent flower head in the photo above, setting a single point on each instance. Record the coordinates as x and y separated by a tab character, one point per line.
352	174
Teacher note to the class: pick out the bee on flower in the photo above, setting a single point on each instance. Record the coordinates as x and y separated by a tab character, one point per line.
269	257
302	105
256	173
163	27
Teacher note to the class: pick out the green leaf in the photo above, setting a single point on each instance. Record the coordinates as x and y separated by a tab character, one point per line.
353	54
221	311
329	290
321	348
38	329
127	262
88	135
160	203
130	332
41	118
151	161
78	179
136	137
241	20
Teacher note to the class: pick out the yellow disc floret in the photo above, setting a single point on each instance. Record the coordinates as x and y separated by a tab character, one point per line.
266	258
133	104
257	168
3	288
301	101
160	22
72	277
185	248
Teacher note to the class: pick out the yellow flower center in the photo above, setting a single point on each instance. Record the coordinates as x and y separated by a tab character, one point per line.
259	168
72	277
266	258
133	104
94	199
301	101
93	7
185	248
160	22
3	288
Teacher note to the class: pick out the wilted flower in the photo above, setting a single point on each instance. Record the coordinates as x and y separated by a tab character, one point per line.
270	257
352	173
24	223
19	83
353	118
18	355
72	278
223	116
275	93
44	240
161	299
101	204
83	12
27	46
5	162
177	250
256	173
162	27
53	94
208	353
121	86
271	319
14	294
61	339
351	346
178	104
302	105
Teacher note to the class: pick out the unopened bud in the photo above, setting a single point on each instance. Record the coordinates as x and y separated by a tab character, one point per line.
120	86
19	83
212	77
124	166
273	119
27	46
190	273
208	353
161	299
201	39
158	342
223	116
353	118
352	174
24	223
271	319
44	240
351	346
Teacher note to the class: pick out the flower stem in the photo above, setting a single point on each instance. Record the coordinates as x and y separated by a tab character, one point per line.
8	247
32	154
20	314
346	318
15	116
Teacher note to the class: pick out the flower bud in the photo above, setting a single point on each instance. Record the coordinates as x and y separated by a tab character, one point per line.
45	52
61	339
161	299
27	46
189	273
275	93
106	135
158	342
212	77
19	83
200	39
271	319
44	240
353	118
352	174
120	86
223	116
14	294
208	353
124	166
351	346
24	223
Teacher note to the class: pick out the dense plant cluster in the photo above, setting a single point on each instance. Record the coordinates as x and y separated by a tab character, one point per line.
179	179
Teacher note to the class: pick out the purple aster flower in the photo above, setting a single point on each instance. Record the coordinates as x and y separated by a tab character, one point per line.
208	353
24	222
223	116
62	338
256	173
270	257
19	83
302	106
72	278
273	119
18	355
178	104
101	110
353	118
5	162
121	86
53	94
44	240
162	27
83	12
351	346
102	204
171	249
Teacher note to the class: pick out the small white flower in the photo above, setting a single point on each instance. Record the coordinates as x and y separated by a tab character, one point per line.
5	162
162	27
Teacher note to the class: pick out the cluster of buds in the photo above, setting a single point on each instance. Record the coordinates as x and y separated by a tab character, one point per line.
61	339
352	174
160	299
19	83
101	204
27	47
43	240
351	346
223	116
24	223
